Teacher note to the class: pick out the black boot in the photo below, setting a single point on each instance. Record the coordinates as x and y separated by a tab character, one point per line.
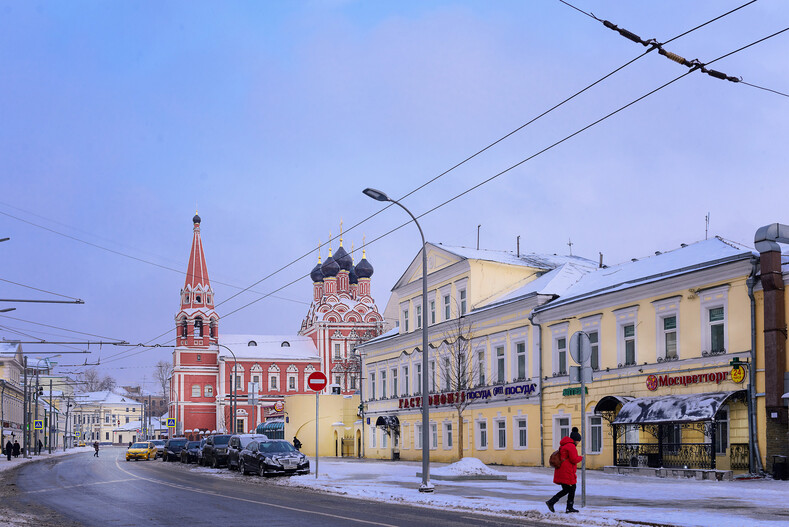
570	507
550	503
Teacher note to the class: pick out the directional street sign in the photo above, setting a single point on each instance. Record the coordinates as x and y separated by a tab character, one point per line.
38	424
317	381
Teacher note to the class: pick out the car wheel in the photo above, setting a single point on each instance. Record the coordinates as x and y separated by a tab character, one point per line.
215	463
261	471
242	468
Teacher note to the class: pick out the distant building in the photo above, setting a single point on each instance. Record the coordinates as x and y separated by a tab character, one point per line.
158	403
96	415
11	391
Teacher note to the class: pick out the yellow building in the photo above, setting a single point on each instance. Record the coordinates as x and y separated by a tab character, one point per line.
339	427
96	415
11	391
483	363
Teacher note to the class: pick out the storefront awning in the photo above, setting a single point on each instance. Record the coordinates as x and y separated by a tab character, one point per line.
673	408
610	402
388	421
271	426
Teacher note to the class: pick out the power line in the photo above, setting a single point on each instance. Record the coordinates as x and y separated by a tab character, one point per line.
59	328
763	88
37	289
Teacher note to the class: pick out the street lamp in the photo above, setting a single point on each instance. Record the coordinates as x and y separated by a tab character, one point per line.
233	387
426	486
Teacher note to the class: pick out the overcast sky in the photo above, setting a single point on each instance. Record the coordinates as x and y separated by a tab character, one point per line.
119	119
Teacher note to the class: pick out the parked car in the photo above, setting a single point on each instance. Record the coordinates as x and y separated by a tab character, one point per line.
200	452
172	448
236	444
159	446
275	456
215	450
141	450
189	452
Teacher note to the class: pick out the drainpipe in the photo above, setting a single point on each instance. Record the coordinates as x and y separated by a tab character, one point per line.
755	458
539	384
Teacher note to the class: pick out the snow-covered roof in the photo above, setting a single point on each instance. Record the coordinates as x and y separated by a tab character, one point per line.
384	336
269	347
673	408
539	261
693	257
9	347
156	424
105	397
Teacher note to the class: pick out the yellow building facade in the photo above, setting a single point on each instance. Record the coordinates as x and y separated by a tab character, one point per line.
339	426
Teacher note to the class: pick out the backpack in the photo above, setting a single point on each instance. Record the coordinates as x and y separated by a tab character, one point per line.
556	459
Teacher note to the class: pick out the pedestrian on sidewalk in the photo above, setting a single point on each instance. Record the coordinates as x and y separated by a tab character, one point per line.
296	443
9	448
16	448
40	446
96	448
565	474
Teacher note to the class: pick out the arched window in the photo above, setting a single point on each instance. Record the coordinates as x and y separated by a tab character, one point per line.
285	344
197	299
212	329
252	343
198	327
183	327
209	390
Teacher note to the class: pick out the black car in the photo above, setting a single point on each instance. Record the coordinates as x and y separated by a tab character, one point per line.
189	452
236	444
172	448
215	450
272	457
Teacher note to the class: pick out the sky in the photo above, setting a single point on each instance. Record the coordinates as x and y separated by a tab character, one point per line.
121	119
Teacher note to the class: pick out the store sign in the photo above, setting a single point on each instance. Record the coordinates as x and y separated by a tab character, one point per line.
738	374
279	406
658	381
458	397
567	392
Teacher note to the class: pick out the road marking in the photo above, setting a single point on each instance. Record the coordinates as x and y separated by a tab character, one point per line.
79	485
217	494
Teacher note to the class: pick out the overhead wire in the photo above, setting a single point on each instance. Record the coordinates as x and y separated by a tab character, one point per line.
37	289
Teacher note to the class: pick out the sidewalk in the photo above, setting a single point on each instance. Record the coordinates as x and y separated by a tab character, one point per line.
16	461
610	499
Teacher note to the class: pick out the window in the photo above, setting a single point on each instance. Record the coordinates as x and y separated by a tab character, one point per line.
447	436
373	436
521	432
670	337
561	428
195	392
432	376
722	431
127	418
256	379
447	308
353	381
336	352
418	387
520	358
501	434
447	373
482	434
405	320
107	419
595	435
481	366
183	327
212	329
561	350
199	357
209	390
338	379
292	382
418	436
383	384
594	341
629	335
384	438
198	327
463	302
372	386
394	382
198	299
432	311
716	329
273	383
433	436
405	381
418	316
239	383
500	364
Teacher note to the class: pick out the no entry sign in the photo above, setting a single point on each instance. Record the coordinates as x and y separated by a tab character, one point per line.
316	381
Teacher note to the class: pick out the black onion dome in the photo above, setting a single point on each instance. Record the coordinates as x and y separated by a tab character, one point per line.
364	269
330	268
196	219
352	278
343	259
316	274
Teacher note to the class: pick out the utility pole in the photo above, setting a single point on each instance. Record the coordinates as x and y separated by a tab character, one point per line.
49	424
25	413
35	432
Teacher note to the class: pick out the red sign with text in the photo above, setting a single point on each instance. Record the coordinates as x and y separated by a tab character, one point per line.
317	381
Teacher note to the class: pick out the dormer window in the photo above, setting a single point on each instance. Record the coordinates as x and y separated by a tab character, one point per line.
252	343
285	344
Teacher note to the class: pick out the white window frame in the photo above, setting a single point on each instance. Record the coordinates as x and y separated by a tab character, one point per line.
406	384
295	378
418	309
384	439
405	320
482	378
382	375
432	311
394	382
560	429
447	305
273	386
463	301
418	436
591	325
559	332
517	444
481	432
518	357
195	392
447	438
665	309
373	438
717	297
499	433
372	385
626	317
433	436
594	427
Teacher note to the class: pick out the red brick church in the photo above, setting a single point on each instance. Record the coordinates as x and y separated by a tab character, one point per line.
266	368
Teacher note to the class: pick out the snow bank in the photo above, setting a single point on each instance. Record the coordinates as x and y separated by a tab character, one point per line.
468	466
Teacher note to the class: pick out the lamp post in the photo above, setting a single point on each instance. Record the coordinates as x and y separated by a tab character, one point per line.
233	388
426	486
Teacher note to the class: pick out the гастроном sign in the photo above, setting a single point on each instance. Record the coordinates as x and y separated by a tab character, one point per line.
482	394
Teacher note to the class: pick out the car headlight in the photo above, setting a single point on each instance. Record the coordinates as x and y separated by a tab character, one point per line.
271	461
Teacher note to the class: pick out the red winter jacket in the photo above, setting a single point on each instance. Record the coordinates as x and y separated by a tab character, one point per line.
570	458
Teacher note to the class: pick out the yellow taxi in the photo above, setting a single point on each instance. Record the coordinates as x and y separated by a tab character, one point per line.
81	443
141	450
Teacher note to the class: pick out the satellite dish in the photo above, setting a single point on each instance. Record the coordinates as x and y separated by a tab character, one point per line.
580	347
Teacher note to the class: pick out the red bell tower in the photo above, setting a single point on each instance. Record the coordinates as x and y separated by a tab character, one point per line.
193	388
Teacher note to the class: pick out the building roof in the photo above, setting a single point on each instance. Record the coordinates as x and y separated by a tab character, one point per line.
269	347
553	283
685	408
105	397
197	270
693	257
538	261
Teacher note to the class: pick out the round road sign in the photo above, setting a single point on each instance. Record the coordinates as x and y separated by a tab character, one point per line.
316	381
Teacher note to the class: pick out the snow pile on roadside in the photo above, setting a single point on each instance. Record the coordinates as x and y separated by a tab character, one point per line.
468	466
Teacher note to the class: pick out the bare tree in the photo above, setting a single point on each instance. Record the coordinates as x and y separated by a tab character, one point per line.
457	370
92	381
162	372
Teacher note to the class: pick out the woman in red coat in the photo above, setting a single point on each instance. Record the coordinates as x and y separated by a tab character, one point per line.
565	474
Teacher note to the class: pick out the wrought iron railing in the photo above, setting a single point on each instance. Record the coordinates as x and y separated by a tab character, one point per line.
739	456
671	455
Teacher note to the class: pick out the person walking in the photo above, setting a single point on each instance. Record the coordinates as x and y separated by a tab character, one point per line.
96	448
296	443
40	446
565	474
16	448
9	448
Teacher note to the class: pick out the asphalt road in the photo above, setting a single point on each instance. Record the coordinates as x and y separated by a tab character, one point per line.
108	491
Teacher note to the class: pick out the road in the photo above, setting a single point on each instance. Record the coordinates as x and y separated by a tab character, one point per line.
108	491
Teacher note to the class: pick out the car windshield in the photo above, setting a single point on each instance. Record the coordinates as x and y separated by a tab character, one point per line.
247	440
193	444
276	446
177	442
158	442
221	440
140	445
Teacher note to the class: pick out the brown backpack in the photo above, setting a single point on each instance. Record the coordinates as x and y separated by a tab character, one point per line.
556	459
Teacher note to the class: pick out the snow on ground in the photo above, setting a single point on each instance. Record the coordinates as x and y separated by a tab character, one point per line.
15	461
468	466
